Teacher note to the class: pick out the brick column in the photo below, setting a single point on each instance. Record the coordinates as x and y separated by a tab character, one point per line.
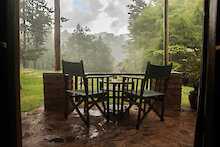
174	90
54	92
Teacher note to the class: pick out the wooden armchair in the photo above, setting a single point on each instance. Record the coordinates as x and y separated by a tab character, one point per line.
148	90
85	93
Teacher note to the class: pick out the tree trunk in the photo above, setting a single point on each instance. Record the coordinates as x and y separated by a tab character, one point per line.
166	33
24	35
35	64
24	62
57	34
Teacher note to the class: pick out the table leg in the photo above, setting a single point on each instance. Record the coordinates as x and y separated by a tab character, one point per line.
114	99
122	95
118	102
108	100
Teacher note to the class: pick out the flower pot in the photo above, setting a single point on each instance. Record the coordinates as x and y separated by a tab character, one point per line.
193	101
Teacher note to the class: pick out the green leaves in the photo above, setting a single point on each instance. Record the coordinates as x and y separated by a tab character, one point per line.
90	48
185	35
35	25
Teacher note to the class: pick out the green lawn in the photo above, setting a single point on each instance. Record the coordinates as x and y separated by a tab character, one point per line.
32	90
185	93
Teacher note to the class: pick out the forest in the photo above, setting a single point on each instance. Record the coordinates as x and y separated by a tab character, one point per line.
143	43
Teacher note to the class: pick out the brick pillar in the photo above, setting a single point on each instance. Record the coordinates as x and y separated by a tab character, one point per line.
173	95
54	92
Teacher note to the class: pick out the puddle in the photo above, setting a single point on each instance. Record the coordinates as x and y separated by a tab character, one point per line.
93	132
92	112
54	139
57	140
95	113
42	129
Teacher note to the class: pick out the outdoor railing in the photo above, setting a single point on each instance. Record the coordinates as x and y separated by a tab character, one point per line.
78	81
113	75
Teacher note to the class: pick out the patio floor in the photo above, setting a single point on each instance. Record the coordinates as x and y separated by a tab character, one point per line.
42	129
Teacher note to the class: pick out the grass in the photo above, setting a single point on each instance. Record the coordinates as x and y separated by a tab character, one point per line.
185	93
32	90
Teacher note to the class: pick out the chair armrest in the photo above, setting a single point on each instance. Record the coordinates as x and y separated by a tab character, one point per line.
70	92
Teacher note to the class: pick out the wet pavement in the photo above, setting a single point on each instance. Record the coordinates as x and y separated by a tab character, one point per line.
40	129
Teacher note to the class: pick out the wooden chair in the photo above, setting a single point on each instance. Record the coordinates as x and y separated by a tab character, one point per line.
148	91
84	93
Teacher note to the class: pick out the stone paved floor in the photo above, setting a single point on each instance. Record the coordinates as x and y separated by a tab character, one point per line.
50	130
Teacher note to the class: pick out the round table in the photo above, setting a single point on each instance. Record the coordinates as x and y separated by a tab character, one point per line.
117	90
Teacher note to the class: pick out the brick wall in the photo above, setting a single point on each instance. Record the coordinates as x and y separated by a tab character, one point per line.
54	96
173	95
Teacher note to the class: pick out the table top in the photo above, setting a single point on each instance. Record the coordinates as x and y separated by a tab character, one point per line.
98	76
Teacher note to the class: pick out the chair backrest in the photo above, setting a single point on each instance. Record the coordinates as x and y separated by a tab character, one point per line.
158	71
156	77
75	69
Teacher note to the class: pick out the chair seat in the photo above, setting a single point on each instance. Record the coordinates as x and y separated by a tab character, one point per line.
82	93
146	94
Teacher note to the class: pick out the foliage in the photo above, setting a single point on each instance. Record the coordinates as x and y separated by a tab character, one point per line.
186	38
185	35
188	61
185	93
91	49
135	9
145	28
35	24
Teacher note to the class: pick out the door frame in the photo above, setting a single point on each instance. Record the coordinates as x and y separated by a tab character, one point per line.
10	78
205	129
12	90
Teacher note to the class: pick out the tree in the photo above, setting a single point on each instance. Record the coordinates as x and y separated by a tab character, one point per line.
145	28
91	49
36	16
57	34
185	35
186	38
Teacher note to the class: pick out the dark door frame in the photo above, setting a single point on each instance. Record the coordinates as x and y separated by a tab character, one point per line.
10	84
204	135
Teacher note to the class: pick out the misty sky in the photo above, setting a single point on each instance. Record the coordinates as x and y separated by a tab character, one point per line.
99	15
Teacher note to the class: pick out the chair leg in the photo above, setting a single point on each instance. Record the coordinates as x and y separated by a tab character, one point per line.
65	111
86	109
87	117
130	105
139	115
107	108
162	109
65	115
144	106
103	105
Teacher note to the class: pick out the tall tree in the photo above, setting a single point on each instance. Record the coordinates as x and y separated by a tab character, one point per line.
91	49
166	33
145	28
57	34
36	24
185	36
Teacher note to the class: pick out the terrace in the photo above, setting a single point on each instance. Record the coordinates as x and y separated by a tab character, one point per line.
49	129
46	126
40	128
42	95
